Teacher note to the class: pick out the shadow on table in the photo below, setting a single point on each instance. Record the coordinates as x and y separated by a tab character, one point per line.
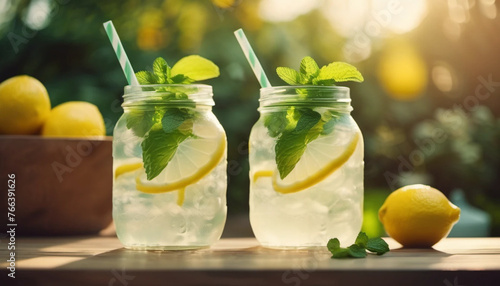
209	266
415	252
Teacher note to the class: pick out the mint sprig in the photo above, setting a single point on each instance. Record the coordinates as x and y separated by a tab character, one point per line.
311	74
337	72
359	248
164	127
291	137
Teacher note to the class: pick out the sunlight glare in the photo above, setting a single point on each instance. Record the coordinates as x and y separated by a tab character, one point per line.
376	18
285	10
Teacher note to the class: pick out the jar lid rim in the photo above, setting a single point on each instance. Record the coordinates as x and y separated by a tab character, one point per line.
326	87
201	87
292	95
337	92
201	94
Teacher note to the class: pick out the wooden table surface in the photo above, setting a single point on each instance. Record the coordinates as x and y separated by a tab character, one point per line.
241	261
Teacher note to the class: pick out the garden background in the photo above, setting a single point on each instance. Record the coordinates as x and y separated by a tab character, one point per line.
429	108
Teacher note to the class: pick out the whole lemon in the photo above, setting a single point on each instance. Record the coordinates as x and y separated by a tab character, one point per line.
24	105
74	119
418	215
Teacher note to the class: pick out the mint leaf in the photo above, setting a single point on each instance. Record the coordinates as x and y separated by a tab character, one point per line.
161	70
289	75
333	244
357	251
292	115
377	245
309	68
323	82
290	146
158	149
145	77
173	118
361	240
338	72
308	118
329	123
341	253
140	121
328	127
180	79
275	123
196	68
174	93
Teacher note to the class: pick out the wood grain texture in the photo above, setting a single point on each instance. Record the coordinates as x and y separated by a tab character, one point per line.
103	261
63	186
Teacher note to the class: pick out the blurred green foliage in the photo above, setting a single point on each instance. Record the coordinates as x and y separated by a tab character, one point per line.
374	199
63	44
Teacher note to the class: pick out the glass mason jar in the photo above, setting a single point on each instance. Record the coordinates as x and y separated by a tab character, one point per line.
169	163
306	167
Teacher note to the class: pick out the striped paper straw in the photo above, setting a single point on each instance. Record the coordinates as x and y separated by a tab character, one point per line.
252	58
120	53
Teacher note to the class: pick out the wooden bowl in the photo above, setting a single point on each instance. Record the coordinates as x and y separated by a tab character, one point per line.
62	186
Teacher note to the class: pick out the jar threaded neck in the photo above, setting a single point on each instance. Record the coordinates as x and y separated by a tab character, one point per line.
168	94
306	96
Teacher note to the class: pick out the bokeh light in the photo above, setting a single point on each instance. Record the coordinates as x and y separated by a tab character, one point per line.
37	15
444	78
377	18
402	71
362	22
285	10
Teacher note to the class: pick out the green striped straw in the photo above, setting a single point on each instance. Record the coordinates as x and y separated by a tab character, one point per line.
252	58
120	53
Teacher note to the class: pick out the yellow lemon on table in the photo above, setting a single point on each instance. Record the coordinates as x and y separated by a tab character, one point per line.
418	215
24	105
74	119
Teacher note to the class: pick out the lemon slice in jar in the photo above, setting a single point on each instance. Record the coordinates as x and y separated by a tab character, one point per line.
316	164
126	168
195	157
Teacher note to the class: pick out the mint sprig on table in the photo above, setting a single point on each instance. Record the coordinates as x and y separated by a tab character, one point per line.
298	126
359	248
164	128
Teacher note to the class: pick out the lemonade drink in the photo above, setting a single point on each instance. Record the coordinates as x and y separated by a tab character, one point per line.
184	205
306	167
